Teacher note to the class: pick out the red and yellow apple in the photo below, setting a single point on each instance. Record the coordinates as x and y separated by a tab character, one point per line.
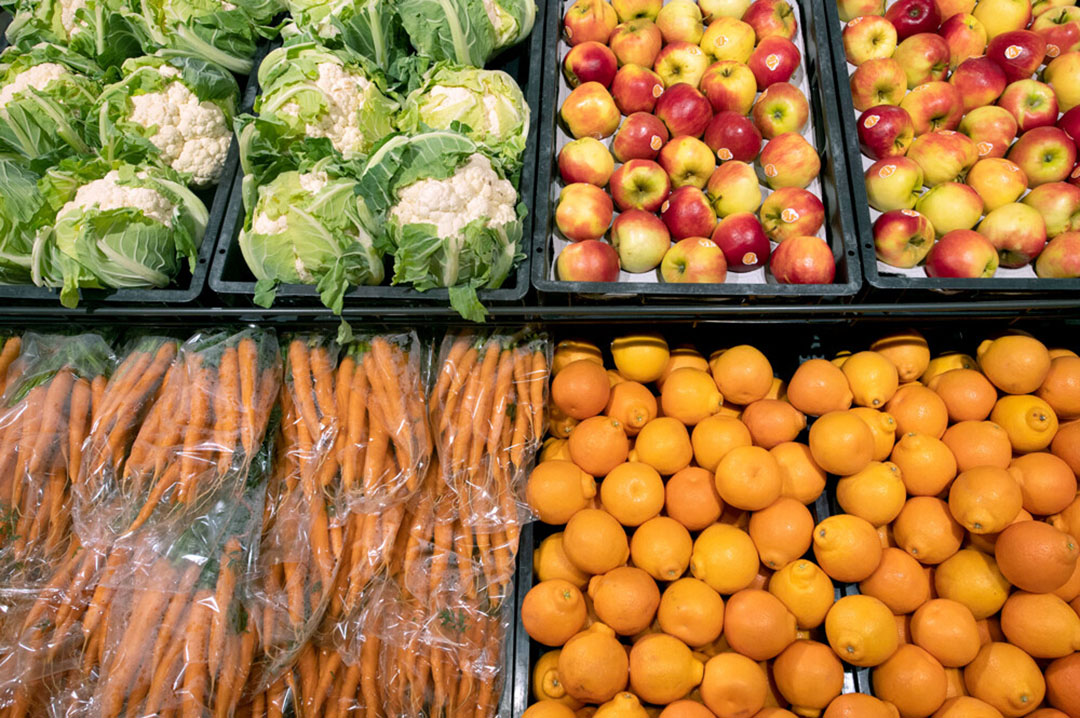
781	108
742	240
1046	154
694	260
1063	74
639	138
681	21
893	183
589	261
636	89
729	85
1017	232
1002	16
640	239
788	160
1060	259
775	59
881	81
590	111
991	128
851	9
687	213
948	8
584	212
980	81
636	42
962	253
628	10
1018	52
885	131
790	212
684	110
681	62
1060	28
771	18
934	106
911	17
727	38
949	206
713	9
733	137
943	155
640	184
998	181
902	238
586	160
868	37
688	161
734	188
965	36
924	57
803	260
590	62
1031	103
1059	205
589	20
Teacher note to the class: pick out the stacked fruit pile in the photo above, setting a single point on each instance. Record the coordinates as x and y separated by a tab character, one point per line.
697	84
700	576
944	88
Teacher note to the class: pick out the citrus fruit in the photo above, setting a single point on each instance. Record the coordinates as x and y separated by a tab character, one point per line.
818	387
1066	445
926	464
841	443
742	374
872	377
593	665
861	630
692	612
908	351
625	598
1068	519
632	405
690	395
661	546
782	532
581	389
548	709
860	705
757	624
968	395
1028	420
808	676
550	561
947	362
734	686
1006	678
686	709
715	436
899	581
1036	557
553	449
725	558
1041	624
633	493
985	500
847	547
978	443
623	705
966	707
691	498
662	669
1063	684
917	409
664	444
557	490
595	542
546	684
1015	363
553	611
684	356
801	478
1061	387
973	579
748	478
1047	484
912	680
598	444
876	493
882	426
927	531
640	357
772	422
568	351
946	629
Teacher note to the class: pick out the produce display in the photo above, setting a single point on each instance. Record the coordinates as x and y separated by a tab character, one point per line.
693	566
968	133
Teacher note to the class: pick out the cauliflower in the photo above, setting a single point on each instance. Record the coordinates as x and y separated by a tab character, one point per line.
37	77
344	93
473	192
68	8
106	194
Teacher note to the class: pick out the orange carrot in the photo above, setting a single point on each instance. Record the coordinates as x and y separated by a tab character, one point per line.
356	426
198	422
10	353
227	408
537	382
54	414
78	425
323	380
303	392
248	360
193	695
97	397
27	439
232	556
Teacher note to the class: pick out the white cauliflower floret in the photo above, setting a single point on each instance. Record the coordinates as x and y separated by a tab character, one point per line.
471	193
106	194
38	77
67	13
313	181
345	93
491	105
262	224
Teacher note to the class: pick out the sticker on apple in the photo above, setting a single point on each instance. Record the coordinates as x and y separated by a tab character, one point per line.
1053	50
789	215
909	213
772	61
770	170
871	121
749	258
656	143
985	148
1013	51
887	171
657	90
724	153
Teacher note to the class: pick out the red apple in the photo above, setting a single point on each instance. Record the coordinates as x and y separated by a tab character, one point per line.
980	81
885	131
639	138
687	213
681	21
733	137
584	212
684	110
781	108
640	239
1061	257
1031	102
1019	53
1046	154
911	17
965	36
868	37
590	111
998	181
590	62
636	42
934	106
924	57
1059	205
742	239
1070	122
893	183
1060	28
943	156
775	59
962	253
588	261
788	160
589	21
771	18
636	89
902	238
688	161
790	212
681	62
1017	232
640	184
949	206
878	82
586	160
991	128
803	260
694	260
733	188
729	85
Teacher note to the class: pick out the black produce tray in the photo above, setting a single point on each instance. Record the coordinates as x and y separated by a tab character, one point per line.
234	283
828	140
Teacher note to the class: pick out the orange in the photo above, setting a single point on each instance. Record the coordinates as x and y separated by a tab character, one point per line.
546	684
876	493
586	712
882	426
625	598
1048	713
690	395
861	630
559	424
778	390
622	705
662	546
684	356
593	665
899	581
1006	678
1069	590
1036	557
757	624
985	500
774	712
557	490
691	498
662	669
903	629
860	705
614	378
847	547
808	676
640	357
692	612
947	630
581	389
553	611
917	409
1063	684
550	561
912	680
782	532
742	374
818	387
1041	624
1068	520
978	443
926	464
966	707
595	542
735	517
872	377
801	478
1028	420
973	579
908	351
554	449
841	443
968	395
571	350
748	478
947	362
686	709
633	493
1015	363
1061	387
955	682
1047	484
987	543
664	444
886	537
806	590
1066	445
773	422
598	445
734	686
632	405
927	531
725	558
990	630
548	709
715	436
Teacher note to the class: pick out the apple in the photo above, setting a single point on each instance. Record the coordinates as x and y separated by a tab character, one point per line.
980	81
1002	16
640	184
1018	52
729	85
1046	154
584	212
713	9
1060	27
641	240
851	9
1038	7
998	181
771	18
590	111
688	161
965	36
934	106
727	38
586	160
1070	122
893	183
950	206
803	260
588	261
943	155
733	137
1063	74
695	260
775	59
1017	232
684	110
962	253
589	20
636	42
1059	205
991	128
868	37
1061	257
742	240
902	238
681	21
885	131
590	62
636	89
924	57
790	212
1031	102
687	213
948	8
880	81
628	10
781	108
681	62
788	160
639	138
733	188
911	17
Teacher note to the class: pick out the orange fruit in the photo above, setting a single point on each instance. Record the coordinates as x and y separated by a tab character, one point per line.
818	387
903	629
990	629
782	532
598	445
1015	363
841	443
622	705
860	705
917	409
886	537
548	709
735	517
581	389
1066	445
633	493
734	686
966	707
882	426
808	676
546	684
742	374
550	561
861	630
593	665
1063	684
684	356
614	378
757	624
968	395
662	546
715	436
985	500
1028	420
872	377
686	709
1006	678
557	490
1036	557
876	493
748	478
571	350
586	712
559	424
927	531
912	680
632	405
662	669
640	357
947	362
801	477
1068	520
978	443
806	590
1048	713
972	578
907	350
847	547
1041	624
1061	387
725	558
899	581
553	449
773	422
691	498
774	712
955	682
552	612
987	543
595	542
625	598
690	395
664	444
692	612
1047	484
1069	590
947	631
926	464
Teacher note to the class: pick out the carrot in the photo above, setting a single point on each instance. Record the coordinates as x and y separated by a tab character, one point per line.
447	371
307	665
10	353
300	369
345	703
198	421
521	415
327	673
97	397
31	425
193	696
78	425
53	594
248	361
258	705
235	673
9	448
227	408
356	427
167	669
178	605
343	377
129	411
461	375
323	378
537	382
57	524
320	542
232	555
54	413
463	548
119	385
369	671
178	405
170	479
390	390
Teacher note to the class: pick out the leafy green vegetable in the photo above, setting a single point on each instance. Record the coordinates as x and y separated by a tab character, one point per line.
468	32
100	29
370	28
20	202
